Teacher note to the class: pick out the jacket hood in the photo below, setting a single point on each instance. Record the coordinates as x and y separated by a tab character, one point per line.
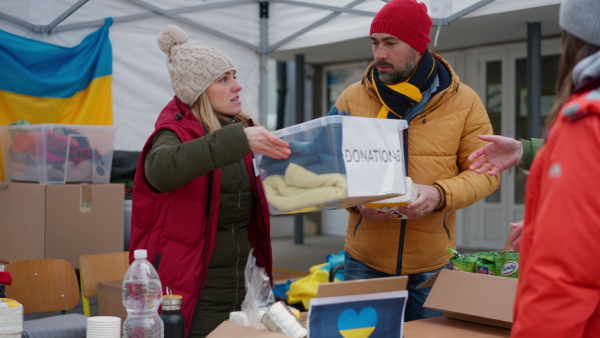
587	71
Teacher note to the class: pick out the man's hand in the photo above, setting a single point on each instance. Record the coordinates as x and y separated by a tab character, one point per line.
429	198
373	214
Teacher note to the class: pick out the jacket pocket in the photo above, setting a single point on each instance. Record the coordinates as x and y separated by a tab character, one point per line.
157	261
357	224
446	227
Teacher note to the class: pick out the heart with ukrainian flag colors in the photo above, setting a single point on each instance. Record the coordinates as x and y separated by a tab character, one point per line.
357	325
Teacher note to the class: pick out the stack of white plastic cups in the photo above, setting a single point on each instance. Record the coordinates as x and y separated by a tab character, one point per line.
103	327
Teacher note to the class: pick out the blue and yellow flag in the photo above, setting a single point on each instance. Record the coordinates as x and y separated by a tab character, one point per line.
45	83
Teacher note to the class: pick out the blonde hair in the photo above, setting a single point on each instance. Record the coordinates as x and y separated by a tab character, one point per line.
212	120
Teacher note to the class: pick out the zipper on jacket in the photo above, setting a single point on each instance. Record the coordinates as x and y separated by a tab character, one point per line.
205	252
357	224
446	227
264	220
403	223
428	110
157	261
401	248
236	239
259	207
211	182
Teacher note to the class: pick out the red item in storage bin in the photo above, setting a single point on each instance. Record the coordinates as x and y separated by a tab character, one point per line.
5	278
25	142
57	153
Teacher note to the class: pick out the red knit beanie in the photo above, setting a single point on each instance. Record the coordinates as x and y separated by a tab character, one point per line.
407	20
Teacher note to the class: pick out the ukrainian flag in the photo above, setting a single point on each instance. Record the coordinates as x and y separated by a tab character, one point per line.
45	83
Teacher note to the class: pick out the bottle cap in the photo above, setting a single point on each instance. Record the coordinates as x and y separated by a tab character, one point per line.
171	302
140	254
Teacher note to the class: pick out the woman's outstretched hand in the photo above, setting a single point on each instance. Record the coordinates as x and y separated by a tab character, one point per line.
498	155
515	236
264	142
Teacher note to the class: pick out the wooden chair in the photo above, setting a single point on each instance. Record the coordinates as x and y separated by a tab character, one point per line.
94	269
43	285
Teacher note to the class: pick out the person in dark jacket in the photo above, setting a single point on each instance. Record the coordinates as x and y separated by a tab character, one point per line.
198	205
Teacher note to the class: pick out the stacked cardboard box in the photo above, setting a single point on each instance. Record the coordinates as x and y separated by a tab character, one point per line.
60	221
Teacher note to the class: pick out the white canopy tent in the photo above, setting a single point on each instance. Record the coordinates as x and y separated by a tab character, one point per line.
248	30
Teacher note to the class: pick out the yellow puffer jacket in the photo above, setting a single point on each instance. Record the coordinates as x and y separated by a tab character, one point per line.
440	139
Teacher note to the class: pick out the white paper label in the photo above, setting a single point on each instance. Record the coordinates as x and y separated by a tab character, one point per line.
255	164
373	155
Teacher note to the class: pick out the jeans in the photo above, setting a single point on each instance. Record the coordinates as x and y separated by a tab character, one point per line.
354	269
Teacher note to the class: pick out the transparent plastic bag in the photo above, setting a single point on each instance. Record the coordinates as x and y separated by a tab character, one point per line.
259	292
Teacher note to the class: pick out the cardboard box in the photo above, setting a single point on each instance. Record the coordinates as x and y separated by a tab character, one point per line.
436	327
441	327
60	221
479	298
229	329
362	286
110	299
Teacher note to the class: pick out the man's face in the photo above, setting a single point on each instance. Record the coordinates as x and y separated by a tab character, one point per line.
394	59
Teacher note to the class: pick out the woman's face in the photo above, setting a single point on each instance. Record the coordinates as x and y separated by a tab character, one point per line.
223	94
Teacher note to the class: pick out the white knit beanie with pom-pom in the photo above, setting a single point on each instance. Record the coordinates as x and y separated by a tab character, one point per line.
192	68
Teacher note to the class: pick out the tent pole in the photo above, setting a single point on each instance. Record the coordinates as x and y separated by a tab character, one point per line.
64	15
263	50
281	93
193	23
534	78
299	218
315	24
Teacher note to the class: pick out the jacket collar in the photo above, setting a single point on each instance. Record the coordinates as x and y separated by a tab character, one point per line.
439	95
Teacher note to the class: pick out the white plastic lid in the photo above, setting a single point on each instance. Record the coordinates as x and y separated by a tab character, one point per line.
140	254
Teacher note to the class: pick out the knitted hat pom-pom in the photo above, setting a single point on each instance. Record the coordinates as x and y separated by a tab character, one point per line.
171	36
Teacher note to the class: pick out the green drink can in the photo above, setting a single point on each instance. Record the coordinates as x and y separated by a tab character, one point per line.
507	264
461	262
486	264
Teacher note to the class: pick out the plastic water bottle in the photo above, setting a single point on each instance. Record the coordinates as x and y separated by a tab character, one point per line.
142	295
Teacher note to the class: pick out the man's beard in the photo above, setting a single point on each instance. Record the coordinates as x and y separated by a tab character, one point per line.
398	75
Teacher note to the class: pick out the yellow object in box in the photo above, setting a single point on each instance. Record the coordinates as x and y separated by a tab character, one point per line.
11	316
391	205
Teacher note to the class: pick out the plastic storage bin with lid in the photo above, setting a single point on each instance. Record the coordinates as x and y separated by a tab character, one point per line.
336	162
57	153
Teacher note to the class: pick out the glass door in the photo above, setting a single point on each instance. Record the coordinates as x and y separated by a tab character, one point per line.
491	215
499	76
549	76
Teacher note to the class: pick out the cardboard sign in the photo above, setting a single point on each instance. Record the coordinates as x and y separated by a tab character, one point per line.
374	156
374	315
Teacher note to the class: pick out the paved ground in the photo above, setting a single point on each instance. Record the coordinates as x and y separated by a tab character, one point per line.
300	257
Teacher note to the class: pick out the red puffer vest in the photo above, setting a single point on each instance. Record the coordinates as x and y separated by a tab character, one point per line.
178	228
